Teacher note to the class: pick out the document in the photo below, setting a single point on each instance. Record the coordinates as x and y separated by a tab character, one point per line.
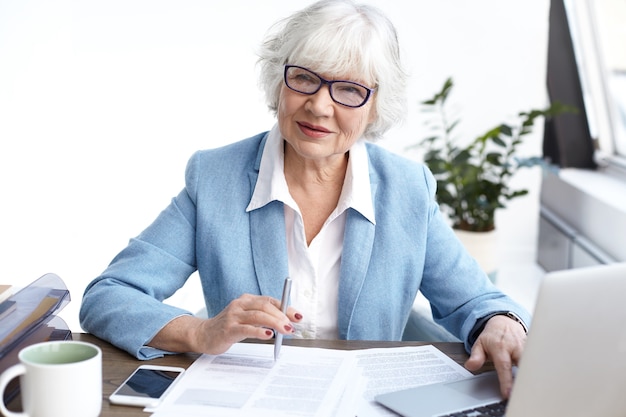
307	382
393	369
246	381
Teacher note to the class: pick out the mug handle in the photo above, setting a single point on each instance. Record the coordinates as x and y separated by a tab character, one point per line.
6	377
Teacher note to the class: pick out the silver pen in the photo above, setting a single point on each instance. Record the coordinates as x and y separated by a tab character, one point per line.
284	302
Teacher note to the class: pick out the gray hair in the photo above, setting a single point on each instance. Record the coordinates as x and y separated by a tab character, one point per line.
339	37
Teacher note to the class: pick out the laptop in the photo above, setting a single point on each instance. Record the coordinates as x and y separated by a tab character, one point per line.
574	361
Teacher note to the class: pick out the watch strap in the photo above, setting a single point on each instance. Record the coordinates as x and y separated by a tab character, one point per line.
482	322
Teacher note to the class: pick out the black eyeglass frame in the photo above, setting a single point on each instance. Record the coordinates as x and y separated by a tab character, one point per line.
324	81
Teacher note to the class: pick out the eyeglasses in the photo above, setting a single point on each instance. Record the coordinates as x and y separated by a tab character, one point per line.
346	93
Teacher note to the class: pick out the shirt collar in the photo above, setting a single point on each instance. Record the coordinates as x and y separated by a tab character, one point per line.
271	184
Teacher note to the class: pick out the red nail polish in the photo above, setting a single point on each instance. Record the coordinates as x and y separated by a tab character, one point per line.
298	316
289	328
269	332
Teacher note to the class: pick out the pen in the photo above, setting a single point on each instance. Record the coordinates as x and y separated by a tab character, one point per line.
284	302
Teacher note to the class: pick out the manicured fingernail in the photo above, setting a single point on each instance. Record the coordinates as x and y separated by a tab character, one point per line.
269	332
298	316
289	328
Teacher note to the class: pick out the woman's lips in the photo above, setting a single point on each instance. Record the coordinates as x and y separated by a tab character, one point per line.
312	130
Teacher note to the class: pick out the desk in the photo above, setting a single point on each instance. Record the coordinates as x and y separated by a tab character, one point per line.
117	365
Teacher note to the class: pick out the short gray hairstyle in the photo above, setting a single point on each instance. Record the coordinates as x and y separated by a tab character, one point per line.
339	37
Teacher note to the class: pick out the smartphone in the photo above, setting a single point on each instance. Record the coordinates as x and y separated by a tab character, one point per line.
146	386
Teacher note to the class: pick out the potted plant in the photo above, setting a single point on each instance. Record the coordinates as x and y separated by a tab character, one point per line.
473	178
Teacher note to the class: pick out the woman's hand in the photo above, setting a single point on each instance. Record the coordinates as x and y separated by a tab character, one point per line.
502	340
249	316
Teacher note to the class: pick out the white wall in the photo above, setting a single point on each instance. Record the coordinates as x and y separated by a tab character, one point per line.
102	102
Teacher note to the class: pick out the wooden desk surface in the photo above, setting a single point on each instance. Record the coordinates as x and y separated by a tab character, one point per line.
117	365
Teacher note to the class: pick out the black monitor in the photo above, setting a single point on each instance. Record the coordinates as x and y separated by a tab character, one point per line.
567	140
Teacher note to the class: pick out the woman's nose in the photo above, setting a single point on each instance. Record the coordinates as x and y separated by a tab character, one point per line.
321	103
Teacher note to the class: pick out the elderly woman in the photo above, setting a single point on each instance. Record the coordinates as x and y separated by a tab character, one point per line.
356	227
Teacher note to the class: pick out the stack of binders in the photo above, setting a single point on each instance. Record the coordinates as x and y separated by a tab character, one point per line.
29	316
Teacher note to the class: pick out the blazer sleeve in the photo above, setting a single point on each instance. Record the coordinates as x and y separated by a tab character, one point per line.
124	304
459	291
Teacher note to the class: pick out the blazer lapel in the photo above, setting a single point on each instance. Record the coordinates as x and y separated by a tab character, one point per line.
269	248
357	249
267	239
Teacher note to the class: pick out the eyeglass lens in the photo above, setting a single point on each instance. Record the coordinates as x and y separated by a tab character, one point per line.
347	93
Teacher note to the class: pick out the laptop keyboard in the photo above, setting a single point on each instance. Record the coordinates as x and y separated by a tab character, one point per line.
489	410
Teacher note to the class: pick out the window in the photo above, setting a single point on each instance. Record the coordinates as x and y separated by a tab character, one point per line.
598	35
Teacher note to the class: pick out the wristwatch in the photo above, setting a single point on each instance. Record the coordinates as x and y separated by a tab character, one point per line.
516	318
480	324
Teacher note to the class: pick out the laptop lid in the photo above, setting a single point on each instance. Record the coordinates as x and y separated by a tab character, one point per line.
574	361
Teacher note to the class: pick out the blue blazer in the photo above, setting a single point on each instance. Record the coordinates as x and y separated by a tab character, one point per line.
206	228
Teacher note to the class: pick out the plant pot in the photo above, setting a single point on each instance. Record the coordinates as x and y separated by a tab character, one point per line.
483	247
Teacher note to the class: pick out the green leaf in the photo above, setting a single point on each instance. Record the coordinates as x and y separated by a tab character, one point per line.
499	141
506	130
494	158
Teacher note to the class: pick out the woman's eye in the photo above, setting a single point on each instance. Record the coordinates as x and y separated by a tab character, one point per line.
352	90
304	78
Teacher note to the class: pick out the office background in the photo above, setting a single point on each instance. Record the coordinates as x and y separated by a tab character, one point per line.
102	103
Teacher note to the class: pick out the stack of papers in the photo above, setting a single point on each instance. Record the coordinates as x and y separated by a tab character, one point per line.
307	382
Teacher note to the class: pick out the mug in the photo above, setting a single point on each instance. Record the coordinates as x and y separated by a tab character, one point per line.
61	378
